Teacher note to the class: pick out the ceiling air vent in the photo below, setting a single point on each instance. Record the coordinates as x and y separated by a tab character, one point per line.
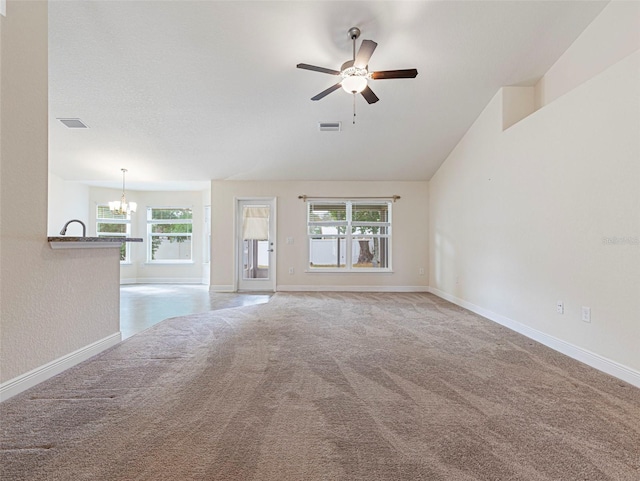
74	123
330	126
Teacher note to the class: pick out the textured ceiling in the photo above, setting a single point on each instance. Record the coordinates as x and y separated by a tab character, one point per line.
181	91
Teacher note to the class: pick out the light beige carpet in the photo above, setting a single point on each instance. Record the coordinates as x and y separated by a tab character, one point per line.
326	387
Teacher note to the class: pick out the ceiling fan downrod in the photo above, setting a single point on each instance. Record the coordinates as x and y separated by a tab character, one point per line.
354	33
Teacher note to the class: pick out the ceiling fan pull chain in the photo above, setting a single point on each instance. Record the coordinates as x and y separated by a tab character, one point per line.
354	108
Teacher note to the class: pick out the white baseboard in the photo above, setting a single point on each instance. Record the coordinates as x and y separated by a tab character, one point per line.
578	353
222	288
25	381
318	288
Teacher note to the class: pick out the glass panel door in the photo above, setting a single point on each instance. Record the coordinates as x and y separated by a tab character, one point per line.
256	245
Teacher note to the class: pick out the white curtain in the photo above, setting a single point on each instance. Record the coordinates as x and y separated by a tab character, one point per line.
255	223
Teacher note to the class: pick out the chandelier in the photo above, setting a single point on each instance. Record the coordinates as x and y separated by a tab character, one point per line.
121	207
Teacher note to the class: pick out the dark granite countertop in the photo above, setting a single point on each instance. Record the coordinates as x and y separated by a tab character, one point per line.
94	239
69	242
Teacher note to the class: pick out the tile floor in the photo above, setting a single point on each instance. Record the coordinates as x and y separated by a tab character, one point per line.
143	305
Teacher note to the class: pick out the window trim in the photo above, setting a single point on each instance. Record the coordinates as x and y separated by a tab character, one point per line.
349	235
150	222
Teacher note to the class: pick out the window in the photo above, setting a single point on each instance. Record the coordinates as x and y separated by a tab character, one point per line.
109	224
349	235
169	232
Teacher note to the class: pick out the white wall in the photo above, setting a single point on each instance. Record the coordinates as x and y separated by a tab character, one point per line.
612	36
53	303
206	236
408	243
67	200
549	210
139	270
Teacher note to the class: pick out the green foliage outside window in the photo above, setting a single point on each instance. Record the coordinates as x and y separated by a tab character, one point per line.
171	228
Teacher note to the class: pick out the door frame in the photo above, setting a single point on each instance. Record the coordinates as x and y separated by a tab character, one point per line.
237	225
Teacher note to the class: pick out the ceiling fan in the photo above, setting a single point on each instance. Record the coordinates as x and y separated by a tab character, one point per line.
355	73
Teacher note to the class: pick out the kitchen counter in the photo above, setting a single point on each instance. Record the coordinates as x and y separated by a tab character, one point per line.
69	242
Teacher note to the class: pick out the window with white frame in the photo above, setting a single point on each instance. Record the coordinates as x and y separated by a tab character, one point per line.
349	235
169	231
110	224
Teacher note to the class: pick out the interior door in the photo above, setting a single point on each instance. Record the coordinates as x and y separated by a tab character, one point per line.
255	239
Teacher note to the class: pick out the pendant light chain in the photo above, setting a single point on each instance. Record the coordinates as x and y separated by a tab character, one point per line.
123	172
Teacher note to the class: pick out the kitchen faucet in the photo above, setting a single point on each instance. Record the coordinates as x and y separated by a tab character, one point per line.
84	227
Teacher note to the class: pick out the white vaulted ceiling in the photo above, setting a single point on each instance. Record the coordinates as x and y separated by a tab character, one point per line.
182	91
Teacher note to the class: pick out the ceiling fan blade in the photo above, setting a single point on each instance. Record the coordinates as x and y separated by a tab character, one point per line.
326	92
364	54
317	69
369	96
408	73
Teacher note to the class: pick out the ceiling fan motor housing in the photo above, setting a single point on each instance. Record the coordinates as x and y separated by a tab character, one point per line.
354	32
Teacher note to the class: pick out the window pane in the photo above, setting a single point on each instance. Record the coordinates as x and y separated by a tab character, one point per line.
170	248
119	227
328	229
263	254
358	231
327	212
170	214
104	228
105	213
171	228
370	229
370	212
328	252
370	252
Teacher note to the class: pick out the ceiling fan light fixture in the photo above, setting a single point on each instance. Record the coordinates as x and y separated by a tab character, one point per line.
355	72
354	84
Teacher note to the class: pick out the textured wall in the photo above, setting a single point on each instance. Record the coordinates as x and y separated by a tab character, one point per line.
51	302
547	210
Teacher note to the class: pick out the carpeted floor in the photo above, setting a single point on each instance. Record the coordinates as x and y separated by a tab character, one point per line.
326	387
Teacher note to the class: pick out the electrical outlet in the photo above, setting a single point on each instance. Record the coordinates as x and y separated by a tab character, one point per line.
291	271
586	314
289	240
560	307
421	271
